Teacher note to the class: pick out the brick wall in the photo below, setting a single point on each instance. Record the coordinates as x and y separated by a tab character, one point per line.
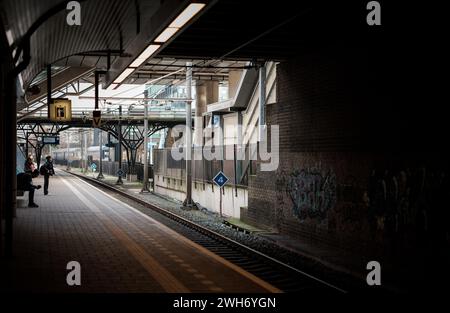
360	166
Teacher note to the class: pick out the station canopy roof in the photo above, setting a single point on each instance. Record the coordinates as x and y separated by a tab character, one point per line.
224	35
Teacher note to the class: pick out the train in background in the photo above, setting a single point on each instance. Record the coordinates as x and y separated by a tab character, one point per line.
93	154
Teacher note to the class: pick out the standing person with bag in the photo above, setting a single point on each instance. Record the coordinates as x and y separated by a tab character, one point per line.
47	170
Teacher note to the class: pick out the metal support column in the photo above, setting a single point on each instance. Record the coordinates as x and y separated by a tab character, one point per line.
8	151
145	158
96	82
26	146
68	151
38	152
49	88
240	153
188	143
100	170
85	152
119	133
100	165
81	149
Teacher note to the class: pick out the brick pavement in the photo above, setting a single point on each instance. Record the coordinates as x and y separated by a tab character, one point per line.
119	249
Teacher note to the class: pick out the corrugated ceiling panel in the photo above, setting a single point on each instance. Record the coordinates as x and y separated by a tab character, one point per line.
103	23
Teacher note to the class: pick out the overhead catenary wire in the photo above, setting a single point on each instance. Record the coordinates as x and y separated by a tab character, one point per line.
183	68
262	34
151	81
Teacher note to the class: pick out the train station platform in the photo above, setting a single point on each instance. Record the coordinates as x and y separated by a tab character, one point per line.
119	248
325	261
322	260
328	256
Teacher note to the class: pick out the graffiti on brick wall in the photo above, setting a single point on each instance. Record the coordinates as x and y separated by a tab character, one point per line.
403	199
313	192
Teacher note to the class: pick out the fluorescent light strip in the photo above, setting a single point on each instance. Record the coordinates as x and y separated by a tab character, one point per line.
112	86
147	53
166	34
187	15
181	20
124	75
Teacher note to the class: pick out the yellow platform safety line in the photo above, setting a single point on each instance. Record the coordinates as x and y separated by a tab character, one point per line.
170	232
167	281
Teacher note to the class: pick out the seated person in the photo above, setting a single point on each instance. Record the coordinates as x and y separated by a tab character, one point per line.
29	166
25	182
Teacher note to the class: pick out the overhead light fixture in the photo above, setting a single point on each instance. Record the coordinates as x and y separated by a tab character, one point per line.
187	14
112	86
181	20
166	34
184	17
147	53
124	75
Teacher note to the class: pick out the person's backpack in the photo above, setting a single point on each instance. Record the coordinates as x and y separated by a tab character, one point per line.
42	170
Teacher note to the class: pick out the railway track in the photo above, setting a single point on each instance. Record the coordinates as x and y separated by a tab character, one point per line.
281	275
